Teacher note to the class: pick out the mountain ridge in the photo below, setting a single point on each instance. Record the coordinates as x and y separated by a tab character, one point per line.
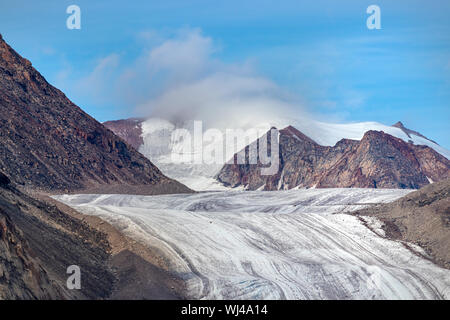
350	133
48	142
410	132
378	160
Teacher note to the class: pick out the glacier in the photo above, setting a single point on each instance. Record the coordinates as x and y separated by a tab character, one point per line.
295	244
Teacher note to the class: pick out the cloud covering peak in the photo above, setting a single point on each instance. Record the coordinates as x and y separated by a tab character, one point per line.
180	78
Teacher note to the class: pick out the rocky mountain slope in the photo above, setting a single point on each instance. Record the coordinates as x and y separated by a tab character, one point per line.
48	142
40	238
49	145
421	217
37	244
21	275
378	160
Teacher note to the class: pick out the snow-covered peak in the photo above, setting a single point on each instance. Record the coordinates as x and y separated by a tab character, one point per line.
159	144
330	133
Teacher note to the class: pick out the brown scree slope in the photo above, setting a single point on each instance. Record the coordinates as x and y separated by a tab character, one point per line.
421	217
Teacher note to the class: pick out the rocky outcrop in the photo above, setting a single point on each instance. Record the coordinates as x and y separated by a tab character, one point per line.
378	160
422	217
129	130
383	161
48	142
410	132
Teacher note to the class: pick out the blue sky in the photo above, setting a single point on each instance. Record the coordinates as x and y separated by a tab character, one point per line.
320	56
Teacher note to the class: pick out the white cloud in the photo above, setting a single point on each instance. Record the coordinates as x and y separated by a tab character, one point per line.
186	56
222	99
180	78
97	83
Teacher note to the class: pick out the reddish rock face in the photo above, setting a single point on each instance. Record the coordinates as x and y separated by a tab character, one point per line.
378	160
48	142
129	130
